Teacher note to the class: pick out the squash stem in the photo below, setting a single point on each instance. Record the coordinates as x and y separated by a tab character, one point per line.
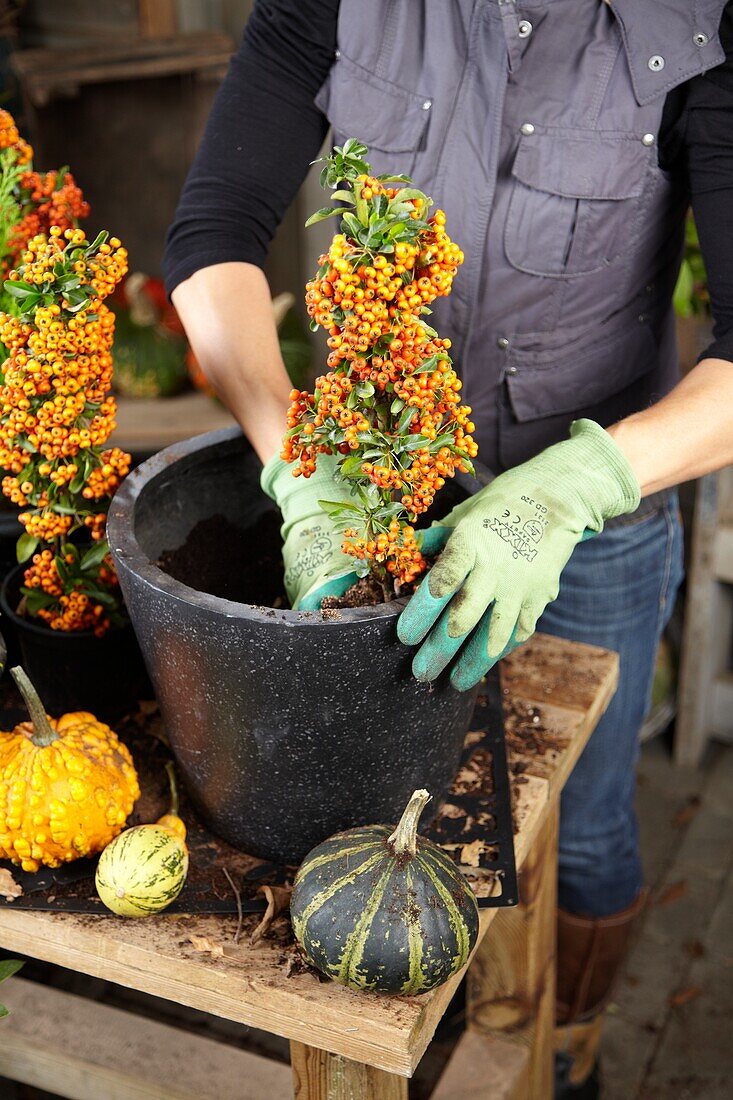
404	838
43	732
174	788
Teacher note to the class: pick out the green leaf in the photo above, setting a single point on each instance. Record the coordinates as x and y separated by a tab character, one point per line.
364	389
397	405
35	599
404	421
351	466
8	967
354	148
322	214
100	238
406	193
352	223
95	555
25	546
335	508
343	196
62	569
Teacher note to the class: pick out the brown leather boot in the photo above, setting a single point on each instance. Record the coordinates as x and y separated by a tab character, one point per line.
590	952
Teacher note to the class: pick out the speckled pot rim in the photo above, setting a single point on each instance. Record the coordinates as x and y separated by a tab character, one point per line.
129	555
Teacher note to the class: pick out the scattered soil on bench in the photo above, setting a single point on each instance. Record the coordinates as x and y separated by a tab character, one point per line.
232	563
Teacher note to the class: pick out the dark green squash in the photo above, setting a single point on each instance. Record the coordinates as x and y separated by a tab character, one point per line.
384	910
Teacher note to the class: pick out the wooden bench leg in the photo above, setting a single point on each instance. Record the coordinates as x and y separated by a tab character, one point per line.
318	1075
511	981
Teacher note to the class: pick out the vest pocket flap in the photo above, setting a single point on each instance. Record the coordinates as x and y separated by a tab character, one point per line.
583	165
382	115
570	378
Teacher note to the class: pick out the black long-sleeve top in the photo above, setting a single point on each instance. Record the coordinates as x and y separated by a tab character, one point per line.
264	130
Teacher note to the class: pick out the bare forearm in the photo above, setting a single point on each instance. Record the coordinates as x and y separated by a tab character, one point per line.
685	435
227	313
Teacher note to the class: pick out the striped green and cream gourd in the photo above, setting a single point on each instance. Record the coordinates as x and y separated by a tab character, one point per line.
383	910
144	869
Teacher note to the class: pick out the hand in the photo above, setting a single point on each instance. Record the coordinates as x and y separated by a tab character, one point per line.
510	542
315	566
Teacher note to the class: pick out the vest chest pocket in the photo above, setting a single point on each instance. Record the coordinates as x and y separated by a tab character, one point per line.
576	199
389	119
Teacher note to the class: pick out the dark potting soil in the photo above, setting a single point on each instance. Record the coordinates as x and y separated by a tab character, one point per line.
367	592
235	564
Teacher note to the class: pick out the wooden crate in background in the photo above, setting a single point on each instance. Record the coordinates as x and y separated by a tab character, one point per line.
127	117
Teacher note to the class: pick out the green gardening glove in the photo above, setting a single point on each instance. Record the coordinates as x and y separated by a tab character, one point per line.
510	542
314	563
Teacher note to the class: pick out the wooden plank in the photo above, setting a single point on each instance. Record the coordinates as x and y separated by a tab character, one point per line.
85	1050
157	17
721	710
708	625
47	74
483	1066
318	1075
723	555
572	684
149	424
511	984
684	940
249	984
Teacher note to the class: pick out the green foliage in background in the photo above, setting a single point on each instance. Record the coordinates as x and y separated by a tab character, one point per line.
691	298
8	967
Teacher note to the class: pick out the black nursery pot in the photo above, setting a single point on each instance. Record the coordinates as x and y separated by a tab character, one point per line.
77	671
287	726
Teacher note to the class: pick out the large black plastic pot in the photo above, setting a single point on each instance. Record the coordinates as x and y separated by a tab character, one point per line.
77	671
287	726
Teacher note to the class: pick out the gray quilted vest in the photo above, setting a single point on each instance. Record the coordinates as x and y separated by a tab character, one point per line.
534	124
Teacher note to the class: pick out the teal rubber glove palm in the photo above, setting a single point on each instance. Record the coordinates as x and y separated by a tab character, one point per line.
508	546
315	565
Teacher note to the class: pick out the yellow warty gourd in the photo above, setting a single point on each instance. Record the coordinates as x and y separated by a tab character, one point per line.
67	786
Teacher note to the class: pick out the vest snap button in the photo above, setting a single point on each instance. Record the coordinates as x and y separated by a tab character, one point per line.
648	139
527	128
502	343
525	28
426	104
656	63
511	370
337	54
700	39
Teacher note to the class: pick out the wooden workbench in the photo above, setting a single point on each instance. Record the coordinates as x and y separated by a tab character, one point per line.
346	1044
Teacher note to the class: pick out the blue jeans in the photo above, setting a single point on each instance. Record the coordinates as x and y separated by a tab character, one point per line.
617	591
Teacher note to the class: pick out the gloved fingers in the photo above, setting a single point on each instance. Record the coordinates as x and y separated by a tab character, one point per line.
437	651
434	539
435	591
502	626
527	622
480	654
334	586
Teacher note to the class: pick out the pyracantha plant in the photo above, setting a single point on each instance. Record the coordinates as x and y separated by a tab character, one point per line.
56	411
390	401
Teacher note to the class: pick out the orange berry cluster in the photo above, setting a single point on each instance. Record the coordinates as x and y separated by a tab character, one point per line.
48	199
67	610
11	139
390	401
56	414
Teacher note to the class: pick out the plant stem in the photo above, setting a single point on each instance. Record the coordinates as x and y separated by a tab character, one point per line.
43	732
404	838
174	788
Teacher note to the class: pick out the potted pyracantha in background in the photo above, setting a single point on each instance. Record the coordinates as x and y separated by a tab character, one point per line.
56	414
297	723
